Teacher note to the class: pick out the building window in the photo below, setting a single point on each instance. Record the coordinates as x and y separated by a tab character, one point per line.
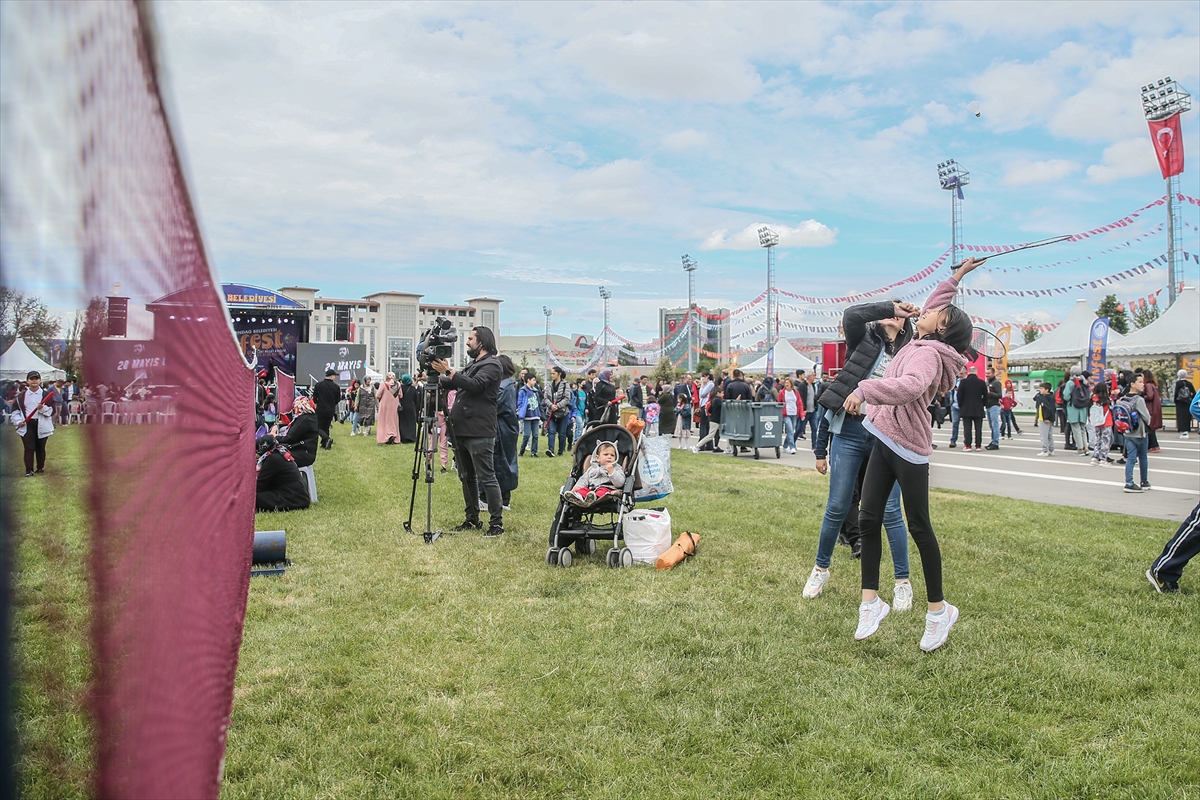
400	355
317	331
489	320
371	349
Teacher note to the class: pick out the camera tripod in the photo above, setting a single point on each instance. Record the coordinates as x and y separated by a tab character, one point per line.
426	448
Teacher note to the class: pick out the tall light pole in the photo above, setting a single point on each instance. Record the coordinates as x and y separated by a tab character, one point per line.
770	239
1162	100
952	178
605	295
689	265
546	310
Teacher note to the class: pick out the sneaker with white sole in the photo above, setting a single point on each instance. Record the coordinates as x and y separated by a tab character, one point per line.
869	617
903	596
937	628
816	582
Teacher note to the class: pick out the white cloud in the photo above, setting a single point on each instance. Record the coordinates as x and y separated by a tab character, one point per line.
809	233
684	140
1025	173
1125	159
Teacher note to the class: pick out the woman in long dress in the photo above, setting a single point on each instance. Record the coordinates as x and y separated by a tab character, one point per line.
408	409
387	411
365	403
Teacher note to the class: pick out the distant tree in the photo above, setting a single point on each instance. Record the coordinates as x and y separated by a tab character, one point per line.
665	371
1030	332
70	361
26	317
1144	315
1117	320
705	364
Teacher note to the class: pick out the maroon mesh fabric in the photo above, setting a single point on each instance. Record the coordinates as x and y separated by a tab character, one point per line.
172	497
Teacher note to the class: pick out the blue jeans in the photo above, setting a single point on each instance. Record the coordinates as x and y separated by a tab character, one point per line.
810	421
993	414
558	427
354	422
850	448
789	432
530	427
954	420
1136	450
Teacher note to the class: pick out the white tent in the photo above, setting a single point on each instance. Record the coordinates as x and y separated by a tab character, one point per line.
1067	342
1175	333
18	361
787	359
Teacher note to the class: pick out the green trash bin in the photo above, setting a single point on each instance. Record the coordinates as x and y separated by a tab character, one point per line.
737	421
768	427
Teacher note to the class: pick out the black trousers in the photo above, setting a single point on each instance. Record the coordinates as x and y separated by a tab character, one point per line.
324	421
884	469
34	446
473	456
968	424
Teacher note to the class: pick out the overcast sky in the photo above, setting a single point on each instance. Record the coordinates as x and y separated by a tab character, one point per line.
533	152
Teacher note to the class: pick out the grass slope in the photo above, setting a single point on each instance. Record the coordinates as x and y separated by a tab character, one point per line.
380	666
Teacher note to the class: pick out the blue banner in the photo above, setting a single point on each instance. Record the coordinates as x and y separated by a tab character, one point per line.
1098	348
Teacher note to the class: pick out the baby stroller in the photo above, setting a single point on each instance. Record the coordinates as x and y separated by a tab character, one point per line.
582	526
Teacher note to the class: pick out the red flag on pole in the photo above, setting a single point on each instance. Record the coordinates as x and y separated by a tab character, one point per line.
1168	144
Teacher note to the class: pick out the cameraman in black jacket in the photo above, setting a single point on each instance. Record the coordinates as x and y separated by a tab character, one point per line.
473	423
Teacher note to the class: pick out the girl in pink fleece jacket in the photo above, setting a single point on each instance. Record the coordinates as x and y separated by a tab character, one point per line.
897	413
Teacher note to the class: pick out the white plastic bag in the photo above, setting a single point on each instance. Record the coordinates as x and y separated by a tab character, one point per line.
647	533
654	468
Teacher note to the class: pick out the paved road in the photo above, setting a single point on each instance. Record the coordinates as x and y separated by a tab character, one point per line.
1015	470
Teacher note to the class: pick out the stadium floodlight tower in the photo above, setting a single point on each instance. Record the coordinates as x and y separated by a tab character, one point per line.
952	178
770	239
547	311
605	295
1162	100
693	319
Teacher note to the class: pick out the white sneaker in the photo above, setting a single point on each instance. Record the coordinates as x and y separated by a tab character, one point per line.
937	628
1183	435
351	433
869	617
816	582
483	505
903	596
695	449
1042	454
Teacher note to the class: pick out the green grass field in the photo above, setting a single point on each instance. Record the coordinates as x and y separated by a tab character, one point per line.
380	666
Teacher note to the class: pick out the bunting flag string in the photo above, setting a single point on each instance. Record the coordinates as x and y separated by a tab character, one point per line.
995	323
1141	269
1151	298
1185	199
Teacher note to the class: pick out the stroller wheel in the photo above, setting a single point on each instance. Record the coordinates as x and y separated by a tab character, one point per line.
585	547
626	556
614	558
564	557
552	557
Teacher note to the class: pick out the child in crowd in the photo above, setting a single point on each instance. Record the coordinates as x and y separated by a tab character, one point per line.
683	415
653	413
1167	569
1008	420
602	477
1136	442
1046	410
1100	418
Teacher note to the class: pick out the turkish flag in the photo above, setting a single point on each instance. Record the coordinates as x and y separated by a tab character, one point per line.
672	325
1168	144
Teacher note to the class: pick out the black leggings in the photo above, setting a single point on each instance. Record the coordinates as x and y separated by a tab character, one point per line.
968	424
883	470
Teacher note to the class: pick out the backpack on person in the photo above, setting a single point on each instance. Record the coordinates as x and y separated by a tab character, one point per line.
1058	401
1184	392
1125	415
1098	416
1080	396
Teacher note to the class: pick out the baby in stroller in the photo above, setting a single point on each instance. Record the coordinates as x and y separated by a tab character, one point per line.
602	477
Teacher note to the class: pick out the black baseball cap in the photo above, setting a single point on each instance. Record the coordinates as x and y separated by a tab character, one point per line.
33	373
329	372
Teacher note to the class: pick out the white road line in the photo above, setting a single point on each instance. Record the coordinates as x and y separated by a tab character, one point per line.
1057	478
1081	462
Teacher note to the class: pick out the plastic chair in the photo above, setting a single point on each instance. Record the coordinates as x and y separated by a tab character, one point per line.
312	482
74	412
109	409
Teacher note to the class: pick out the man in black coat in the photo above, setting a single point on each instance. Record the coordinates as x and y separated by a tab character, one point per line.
473	421
972	407
737	388
995	391
327	394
